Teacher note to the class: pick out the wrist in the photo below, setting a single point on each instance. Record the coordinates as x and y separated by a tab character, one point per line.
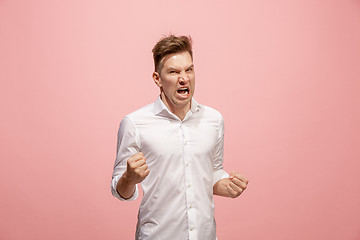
126	179
124	187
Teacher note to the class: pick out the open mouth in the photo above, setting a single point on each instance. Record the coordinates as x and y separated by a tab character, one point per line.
183	91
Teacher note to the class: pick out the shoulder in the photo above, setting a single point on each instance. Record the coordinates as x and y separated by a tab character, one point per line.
138	117
131	120
211	112
145	111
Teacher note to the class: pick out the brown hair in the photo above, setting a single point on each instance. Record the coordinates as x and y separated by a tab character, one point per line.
171	44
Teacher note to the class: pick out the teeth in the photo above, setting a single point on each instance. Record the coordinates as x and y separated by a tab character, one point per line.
183	91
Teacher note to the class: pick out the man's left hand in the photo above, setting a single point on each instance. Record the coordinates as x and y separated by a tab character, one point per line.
232	186
237	184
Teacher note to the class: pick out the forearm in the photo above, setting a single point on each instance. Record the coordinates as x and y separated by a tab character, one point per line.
125	188
220	187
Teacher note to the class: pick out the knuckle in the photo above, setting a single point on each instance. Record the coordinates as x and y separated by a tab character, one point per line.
236	194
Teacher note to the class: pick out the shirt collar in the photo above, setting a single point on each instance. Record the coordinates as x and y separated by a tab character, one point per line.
160	107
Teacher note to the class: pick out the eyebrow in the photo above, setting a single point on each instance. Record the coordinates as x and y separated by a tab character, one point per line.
174	68
191	66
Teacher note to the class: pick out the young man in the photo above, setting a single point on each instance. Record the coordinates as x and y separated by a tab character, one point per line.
174	148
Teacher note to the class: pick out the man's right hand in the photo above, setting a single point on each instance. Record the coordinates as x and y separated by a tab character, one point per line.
137	169
136	172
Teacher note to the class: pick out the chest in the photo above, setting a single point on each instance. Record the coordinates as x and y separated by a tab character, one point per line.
164	138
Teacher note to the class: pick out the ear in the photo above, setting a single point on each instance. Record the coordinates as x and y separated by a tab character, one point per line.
157	79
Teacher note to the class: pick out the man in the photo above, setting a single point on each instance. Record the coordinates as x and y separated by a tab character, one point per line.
174	148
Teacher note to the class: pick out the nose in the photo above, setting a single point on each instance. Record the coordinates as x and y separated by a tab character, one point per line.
183	78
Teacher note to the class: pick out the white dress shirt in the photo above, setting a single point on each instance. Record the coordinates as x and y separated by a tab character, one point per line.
185	161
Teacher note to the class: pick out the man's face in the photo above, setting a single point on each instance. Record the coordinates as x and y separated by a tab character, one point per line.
176	80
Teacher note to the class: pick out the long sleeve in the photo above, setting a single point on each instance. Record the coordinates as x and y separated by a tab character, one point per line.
219	172
128	144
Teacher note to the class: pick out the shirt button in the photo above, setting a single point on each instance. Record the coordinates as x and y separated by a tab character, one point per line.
189	185
185	142
190	206
191	229
187	164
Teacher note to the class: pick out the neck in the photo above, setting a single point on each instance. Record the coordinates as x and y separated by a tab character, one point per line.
179	110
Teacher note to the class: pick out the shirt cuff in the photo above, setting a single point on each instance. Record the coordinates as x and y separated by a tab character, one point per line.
220	174
117	195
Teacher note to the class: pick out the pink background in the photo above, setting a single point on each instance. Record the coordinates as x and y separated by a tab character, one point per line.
285	75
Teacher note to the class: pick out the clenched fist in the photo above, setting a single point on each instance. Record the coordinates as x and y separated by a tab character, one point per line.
232	186
237	184
136	172
137	169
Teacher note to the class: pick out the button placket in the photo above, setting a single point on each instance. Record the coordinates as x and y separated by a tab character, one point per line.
190	195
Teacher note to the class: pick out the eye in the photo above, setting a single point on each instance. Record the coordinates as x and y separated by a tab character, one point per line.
190	69
173	71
